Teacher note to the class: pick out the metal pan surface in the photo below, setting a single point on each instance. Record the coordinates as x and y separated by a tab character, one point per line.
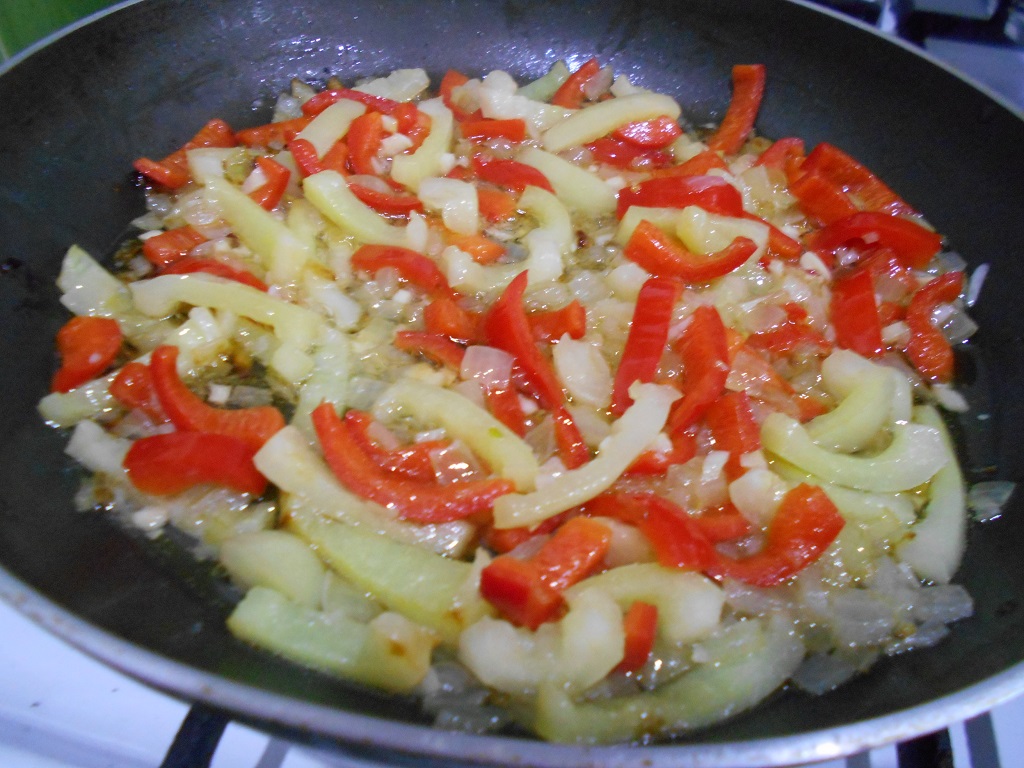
141	79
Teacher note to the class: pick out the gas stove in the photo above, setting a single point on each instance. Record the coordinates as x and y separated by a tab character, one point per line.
61	709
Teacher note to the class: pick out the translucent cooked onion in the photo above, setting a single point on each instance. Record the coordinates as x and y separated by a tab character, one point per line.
488	366
988	500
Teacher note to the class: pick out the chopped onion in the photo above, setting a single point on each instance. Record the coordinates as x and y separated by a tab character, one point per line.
488	366
988	499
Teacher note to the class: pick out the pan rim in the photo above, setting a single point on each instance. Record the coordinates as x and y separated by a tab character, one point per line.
302	718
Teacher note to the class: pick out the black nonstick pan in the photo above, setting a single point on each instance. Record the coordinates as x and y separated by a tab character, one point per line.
142	79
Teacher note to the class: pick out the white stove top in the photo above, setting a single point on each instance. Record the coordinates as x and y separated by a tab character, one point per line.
61	709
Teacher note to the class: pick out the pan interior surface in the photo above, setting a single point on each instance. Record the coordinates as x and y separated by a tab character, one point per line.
141	81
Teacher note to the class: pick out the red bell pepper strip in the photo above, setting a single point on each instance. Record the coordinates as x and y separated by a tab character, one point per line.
510	174
640	625
172	171
550	325
748	81
171	463
506	327
167	247
529	592
441	349
647	338
698	165
665	256
572	450
188	265
504	540
280	133
87	346
334	159
734	429
570	94
411	461
444	316
306	157
133	387
188	412
928	349
783	154
855	179
651	462
789	337
650	134
364	137
453	79
712	193
805	525
413	267
495	205
821	199
675	536
413	500
480	247
503	403
513	129
913	244
413	123
390	203
704	350
780	245
321	101
724	523
272	190
854	314
622	154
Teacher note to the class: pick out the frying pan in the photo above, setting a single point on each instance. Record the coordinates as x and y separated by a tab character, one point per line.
142	79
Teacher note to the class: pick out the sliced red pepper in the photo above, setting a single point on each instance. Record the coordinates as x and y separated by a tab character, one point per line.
510	174
172	171
734	429
453	79
698	165
480	247
647	339
188	265
503	403
780	245
748	81
704	350
712	193
640	625
441	349
513	129
782	154
188	412
570	94
805	525
390	203
413	123
411	265
623	154
928	349
789	337
651	462
280	133
506	327
724	523
913	244
854	314
335	158
550	325
503	540
167	247
87	346
821	199
363	138
133	387
306	156
411	461
168	464
665	256
418	501
272	190
855	179
444	316
495	205
650	134
572	450
164	174
321	101
676	538
529	592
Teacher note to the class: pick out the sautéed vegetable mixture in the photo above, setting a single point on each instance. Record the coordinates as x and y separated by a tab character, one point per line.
536	401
